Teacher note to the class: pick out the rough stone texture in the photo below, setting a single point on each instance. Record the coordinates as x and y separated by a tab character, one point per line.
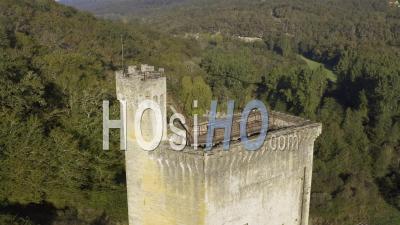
270	186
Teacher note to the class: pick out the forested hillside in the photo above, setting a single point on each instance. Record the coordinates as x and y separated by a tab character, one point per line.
356	173
348	19
57	66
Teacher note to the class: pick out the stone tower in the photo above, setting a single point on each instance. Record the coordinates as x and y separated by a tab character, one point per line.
138	84
270	186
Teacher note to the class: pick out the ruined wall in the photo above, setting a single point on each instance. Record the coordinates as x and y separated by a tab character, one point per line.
237	187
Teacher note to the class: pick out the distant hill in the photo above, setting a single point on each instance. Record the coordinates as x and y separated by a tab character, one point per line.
87	4
122	7
309	18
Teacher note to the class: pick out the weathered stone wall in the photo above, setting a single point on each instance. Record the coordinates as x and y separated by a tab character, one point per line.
143	174
268	186
165	187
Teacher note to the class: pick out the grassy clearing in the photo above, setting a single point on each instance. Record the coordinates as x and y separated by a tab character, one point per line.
315	65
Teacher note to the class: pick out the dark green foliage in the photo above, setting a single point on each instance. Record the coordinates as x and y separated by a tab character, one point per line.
195	89
57	64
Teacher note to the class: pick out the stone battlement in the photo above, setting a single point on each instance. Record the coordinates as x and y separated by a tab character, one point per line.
144	72
394	3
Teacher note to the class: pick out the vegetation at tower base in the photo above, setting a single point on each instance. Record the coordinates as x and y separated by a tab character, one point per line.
56	67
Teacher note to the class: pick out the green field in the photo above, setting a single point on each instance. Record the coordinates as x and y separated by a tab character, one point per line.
315	65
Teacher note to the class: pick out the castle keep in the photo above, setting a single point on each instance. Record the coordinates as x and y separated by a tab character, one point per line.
270	186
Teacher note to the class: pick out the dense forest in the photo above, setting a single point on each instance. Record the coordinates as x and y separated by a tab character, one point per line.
333	61
57	66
